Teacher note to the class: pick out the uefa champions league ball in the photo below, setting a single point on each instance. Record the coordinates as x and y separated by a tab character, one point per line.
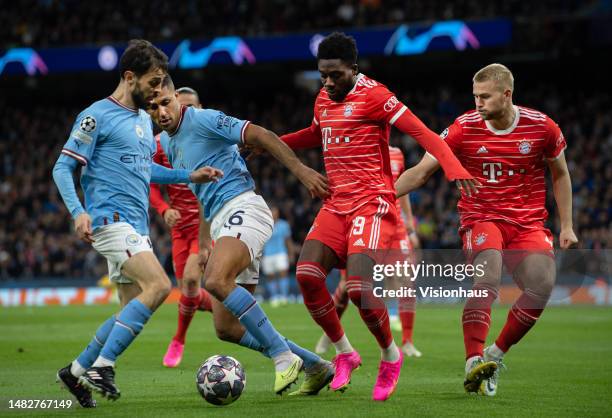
220	380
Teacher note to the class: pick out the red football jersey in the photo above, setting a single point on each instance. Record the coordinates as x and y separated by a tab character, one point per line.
180	196
355	143
510	164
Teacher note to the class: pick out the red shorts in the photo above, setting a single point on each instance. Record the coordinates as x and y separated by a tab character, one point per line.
516	242
371	227
184	242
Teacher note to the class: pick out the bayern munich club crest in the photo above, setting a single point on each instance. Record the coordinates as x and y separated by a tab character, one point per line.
524	147
481	238
348	110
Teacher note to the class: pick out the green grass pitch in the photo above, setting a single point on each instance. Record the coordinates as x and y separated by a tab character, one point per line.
562	368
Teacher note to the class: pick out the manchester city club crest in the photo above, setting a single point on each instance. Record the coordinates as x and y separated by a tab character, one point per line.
348	110
139	131
524	147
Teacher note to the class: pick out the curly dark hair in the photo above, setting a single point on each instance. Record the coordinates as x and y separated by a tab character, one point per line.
338	45
142	56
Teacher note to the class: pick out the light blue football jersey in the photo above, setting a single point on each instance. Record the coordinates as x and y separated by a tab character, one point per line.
276	244
115	144
206	137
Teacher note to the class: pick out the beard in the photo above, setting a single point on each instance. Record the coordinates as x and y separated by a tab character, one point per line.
139	99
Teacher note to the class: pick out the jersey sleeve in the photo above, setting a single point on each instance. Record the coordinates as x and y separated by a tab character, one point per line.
383	106
555	141
84	136
452	136
216	124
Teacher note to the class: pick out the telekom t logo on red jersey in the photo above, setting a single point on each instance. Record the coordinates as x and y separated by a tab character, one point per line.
492	171
328	138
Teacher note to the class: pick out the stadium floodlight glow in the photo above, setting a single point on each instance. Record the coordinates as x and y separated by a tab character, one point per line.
107	58
234	46
29	58
314	43
401	43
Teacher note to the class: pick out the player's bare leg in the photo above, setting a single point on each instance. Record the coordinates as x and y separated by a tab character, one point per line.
190	301
316	260
536	276
149	288
476	320
228	259
374	314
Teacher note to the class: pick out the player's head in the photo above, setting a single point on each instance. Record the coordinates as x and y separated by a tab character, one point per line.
188	97
275	212
337	62
165	109
143	67
492	89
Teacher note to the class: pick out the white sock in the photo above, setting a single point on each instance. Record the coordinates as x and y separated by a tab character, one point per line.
468	363
103	362
283	360
76	369
495	352
391	353
343	345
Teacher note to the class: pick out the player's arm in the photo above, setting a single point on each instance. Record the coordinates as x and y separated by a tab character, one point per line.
562	190
62	175
165	175
204	239
410	124
404	202
262	138
305	138
416	176
78	149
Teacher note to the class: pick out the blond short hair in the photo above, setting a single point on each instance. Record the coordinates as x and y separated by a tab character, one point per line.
498	73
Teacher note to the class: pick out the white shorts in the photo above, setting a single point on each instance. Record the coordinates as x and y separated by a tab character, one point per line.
248	218
117	242
272	264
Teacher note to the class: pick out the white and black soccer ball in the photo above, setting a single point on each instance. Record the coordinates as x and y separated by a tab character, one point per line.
88	124
221	380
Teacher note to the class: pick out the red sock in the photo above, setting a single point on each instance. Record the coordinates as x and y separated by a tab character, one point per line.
372	309
205	303
476	321
406	314
340	298
311	278
523	315
187	307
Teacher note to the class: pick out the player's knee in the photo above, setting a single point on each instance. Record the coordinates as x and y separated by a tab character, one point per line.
228	335
163	287
310	277
190	282
217	286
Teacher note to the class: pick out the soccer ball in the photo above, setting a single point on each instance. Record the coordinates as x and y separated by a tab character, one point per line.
220	380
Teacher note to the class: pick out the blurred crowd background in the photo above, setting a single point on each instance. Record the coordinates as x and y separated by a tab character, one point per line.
36	234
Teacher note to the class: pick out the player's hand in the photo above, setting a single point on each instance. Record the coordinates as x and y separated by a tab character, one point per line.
171	216
203	255
468	186
82	225
414	240
314	182
205	175
567	239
